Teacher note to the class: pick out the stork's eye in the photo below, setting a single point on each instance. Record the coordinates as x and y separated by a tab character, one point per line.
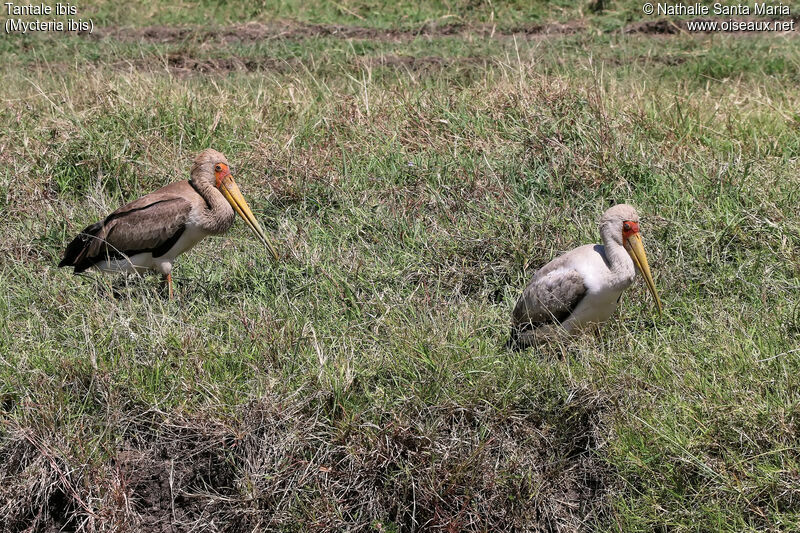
626	227
218	168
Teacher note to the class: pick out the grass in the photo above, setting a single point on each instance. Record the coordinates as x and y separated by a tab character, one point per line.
414	182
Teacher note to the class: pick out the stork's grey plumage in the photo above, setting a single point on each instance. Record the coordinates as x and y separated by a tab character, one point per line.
582	287
552	295
149	233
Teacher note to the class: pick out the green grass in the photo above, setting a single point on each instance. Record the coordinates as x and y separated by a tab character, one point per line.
413	184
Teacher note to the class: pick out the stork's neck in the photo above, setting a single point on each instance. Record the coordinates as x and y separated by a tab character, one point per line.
218	215
619	260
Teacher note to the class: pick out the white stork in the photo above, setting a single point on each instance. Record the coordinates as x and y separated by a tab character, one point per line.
149	233
581	288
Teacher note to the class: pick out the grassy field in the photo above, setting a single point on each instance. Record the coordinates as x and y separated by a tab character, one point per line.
415	164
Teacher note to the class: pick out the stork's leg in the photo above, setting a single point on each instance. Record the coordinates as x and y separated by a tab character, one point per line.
168	281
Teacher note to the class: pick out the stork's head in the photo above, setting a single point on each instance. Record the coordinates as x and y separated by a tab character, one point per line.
212	168
620	224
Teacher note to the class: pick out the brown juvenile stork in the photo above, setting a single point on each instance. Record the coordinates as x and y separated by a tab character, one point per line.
149	233
581	289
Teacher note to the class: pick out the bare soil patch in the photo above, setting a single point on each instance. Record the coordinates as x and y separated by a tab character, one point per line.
184	64
255	32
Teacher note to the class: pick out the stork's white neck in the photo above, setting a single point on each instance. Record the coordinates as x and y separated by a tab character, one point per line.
619	261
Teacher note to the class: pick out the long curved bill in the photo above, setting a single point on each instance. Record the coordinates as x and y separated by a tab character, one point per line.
234	196
636	251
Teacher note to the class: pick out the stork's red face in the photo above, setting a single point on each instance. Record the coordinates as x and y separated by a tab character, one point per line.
221	171
629	227
224	182
632	242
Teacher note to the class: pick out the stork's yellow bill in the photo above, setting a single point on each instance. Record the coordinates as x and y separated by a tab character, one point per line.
233	195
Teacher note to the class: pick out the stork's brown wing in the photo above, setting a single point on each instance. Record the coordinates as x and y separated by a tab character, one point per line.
153	223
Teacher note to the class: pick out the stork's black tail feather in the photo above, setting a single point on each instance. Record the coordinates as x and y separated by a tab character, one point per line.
76	253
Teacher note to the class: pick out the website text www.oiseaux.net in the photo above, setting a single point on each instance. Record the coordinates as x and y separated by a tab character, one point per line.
740	25
777	16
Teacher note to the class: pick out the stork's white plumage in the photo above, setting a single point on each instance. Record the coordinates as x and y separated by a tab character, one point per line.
581	288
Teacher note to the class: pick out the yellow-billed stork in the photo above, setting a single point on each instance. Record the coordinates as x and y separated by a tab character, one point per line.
582	288
149	233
